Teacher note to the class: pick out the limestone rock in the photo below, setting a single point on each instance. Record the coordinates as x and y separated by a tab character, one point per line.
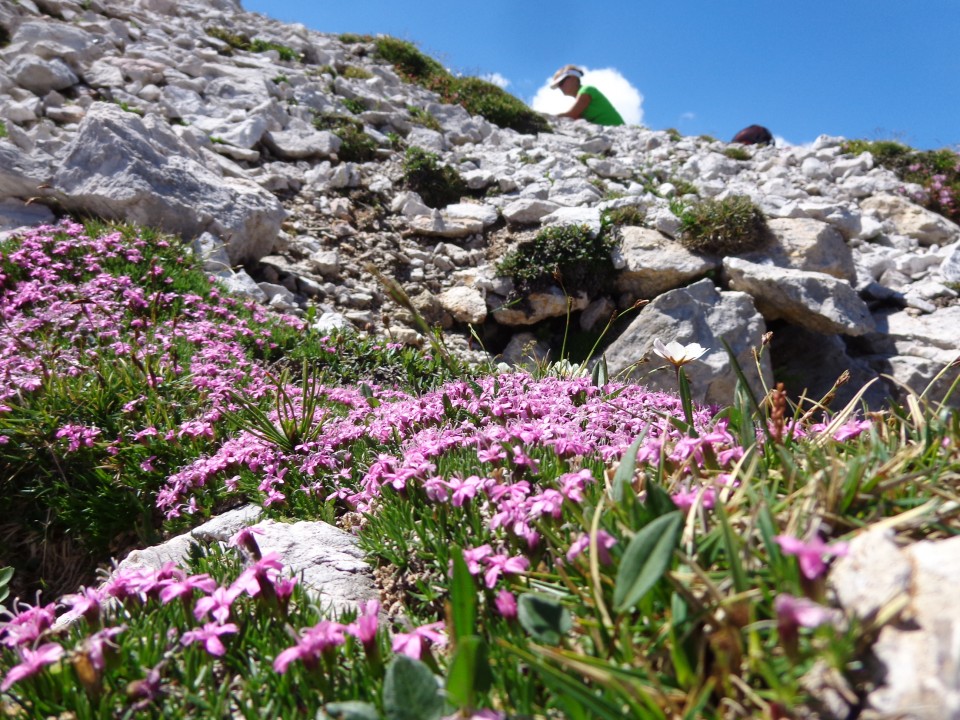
653	263
525	351
919	655
125	167
950	267
912	220
330	562
529	210
465	304
535	307
15	214
41	76
806	244
437	224
816	301
296	145
472	211
21	175
699	313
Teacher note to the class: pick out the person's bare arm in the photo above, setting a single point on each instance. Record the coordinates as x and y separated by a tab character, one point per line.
583	101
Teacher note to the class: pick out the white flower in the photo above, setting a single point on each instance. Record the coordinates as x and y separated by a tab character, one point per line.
565	370
677	354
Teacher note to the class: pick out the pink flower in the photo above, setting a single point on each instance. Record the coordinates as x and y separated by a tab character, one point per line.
413	643
810	554
245	539
506	604
686	499
364	628
95	645
209	635
801	612
605	541
254	578
501	564
313	642
475	556
185	587
33	661
284	588
216	604
85	604
25	627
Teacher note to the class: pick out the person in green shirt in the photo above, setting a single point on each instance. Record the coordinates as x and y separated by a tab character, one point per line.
591	104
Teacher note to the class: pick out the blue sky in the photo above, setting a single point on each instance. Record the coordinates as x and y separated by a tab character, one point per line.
874	69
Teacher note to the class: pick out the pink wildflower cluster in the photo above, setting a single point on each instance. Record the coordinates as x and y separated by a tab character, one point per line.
63	314
514	419
507	421
211	604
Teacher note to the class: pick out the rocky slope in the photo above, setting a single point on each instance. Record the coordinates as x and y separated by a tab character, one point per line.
142	111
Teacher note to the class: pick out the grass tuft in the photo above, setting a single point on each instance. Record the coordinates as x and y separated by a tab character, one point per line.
477	96
721	227
356	145
438	185
571	254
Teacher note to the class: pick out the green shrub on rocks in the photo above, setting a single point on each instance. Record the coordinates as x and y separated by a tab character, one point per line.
936	171
438	185
626	215
239	41
353	105
737	153
352	72
493	103
407	59
424	118
356	145
721	227
570	254
354	38
477	96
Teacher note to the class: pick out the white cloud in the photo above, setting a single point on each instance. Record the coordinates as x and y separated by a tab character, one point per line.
688	116
497	79
625	97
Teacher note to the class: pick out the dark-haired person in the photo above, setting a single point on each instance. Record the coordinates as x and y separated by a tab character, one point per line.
591	104
754	135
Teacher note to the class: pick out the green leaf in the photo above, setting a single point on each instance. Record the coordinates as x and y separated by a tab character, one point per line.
686	399
463	598
658	500
367	392
731	544
570	692
448	408
744	386
410	691
545	618
469	672
5	574
349	710
682	667
646	559
623	478
600	374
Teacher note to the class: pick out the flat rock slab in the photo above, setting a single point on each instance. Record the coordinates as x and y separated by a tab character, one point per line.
327	560
920	651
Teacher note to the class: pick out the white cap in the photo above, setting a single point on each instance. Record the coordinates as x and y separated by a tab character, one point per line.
563	75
